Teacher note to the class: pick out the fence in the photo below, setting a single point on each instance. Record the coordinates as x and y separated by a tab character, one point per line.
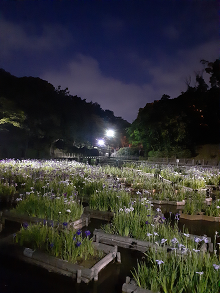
184	161
150	160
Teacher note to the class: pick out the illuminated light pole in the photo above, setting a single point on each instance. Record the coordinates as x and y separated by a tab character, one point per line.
110	133
101	142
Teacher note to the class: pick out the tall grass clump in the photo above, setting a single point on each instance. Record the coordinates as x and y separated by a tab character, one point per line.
166	272
63	243
140	222
49	207
109	199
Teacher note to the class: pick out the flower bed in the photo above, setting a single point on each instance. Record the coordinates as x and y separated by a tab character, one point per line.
127	242
199	210
170	202
86	272
163	272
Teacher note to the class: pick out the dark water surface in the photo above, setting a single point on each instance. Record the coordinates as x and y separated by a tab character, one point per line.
17	276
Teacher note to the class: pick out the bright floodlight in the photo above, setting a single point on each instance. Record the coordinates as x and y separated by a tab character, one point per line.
101	142
110	133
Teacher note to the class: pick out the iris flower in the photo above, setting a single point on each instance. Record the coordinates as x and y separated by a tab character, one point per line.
217	267
174	240
87	233
159	262
200	273
78	232
25	225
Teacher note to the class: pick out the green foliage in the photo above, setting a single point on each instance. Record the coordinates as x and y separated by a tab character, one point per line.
137	221
62	243
10	114
128	151
46	115
172	127
7	191
109	200
187	273
55	208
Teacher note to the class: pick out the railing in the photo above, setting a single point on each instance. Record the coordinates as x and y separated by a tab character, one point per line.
185	161
150	160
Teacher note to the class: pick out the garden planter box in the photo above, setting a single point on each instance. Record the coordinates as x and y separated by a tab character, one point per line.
131	286
187	188
199	217
208	199
57	265
7	215
177	203
96	214
169	202
126	242
211	187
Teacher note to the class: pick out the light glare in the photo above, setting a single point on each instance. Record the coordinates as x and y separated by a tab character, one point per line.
110	133
101	142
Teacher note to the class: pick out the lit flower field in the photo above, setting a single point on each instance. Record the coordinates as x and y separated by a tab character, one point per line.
57	190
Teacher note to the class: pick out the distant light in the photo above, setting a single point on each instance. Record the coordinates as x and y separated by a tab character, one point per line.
101	142
110	133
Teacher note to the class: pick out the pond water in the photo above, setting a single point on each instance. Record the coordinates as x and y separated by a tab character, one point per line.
17	276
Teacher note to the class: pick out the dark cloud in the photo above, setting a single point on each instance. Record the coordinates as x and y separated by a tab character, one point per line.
83	77
121	54
15	37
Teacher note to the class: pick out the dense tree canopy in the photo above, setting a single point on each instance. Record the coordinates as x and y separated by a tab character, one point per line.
34	116
169	127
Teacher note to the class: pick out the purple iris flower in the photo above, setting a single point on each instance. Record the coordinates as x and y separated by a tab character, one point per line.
65	224
78	243
25	225
78	232
197	239
51	245
146	222
177	217
87	233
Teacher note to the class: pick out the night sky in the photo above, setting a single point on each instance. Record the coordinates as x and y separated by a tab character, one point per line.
121	54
